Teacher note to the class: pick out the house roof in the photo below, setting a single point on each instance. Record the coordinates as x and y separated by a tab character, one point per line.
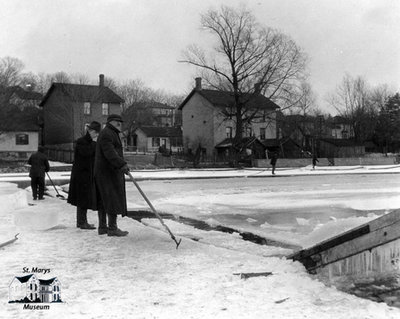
155	131
225	99
21	93
151	105
24	279
271	142
157	105
340	120
245	142
84	93
16	119
342	142
47	281
300	118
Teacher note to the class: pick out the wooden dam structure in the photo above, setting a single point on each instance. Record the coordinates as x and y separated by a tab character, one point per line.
366	255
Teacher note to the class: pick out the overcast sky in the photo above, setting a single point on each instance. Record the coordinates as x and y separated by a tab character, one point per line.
144	39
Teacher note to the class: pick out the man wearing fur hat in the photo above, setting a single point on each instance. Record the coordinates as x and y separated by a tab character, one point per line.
109	170
82	189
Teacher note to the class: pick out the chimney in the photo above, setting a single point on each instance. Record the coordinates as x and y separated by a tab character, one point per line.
198	84
101	80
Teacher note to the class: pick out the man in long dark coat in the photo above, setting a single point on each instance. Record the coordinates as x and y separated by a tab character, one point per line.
39	167
274	159
109	170
82	189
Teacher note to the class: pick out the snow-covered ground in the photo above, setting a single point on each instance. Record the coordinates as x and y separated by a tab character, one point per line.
144	276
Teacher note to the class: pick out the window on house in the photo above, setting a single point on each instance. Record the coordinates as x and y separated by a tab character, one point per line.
104	109
155	142
21	139
262	133
86	108
248	132
229	131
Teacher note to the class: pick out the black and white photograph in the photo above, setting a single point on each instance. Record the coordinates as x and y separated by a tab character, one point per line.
200	159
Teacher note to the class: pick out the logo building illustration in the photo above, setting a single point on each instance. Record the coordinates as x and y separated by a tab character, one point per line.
29	288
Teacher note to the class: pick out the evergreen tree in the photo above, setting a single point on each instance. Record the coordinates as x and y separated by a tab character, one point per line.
387	132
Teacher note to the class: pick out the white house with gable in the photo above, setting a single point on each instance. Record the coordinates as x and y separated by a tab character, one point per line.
21	287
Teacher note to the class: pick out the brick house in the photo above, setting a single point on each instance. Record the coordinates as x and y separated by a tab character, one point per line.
204	122
68	108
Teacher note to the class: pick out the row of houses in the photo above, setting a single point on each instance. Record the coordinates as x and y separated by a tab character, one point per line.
200	124
31	289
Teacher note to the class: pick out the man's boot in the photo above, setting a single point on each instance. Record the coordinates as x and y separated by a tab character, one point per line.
81	219
103	229
113	229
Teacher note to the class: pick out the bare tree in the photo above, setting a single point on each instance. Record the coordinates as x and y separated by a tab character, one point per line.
355	100
304	100
10	71
247	59
132	91
79	78
60	77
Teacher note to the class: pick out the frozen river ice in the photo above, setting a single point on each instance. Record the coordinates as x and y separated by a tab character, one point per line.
293	209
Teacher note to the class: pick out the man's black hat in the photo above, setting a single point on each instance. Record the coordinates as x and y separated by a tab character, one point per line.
114	117
96	126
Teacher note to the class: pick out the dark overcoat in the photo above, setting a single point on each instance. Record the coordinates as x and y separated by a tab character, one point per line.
110	180
82	189
274	159
39	165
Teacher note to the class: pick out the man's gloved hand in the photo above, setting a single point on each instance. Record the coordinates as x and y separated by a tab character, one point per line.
125	169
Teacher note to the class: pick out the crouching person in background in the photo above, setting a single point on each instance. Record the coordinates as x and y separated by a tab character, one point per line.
39	167
82	188
109	170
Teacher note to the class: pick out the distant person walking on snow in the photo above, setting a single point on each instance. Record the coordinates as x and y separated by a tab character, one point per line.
39	167
82	188
109	170
274	159
314	161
